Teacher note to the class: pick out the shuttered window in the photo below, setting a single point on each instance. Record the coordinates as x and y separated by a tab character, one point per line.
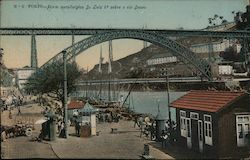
183	123
243	130
208	130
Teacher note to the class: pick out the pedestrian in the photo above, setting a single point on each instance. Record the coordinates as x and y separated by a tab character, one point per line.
10	114
135	121
140	121
77	128
19	110
75	123
63	131
3	134
59	126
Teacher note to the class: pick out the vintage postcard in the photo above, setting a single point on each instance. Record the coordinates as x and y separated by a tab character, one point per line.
125	79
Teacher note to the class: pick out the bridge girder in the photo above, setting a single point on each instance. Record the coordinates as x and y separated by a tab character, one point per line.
88	31
178	50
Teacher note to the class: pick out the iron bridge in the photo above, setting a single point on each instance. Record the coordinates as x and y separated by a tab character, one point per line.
157	37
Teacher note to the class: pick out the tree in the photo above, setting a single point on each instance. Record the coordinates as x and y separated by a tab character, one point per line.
230	54
50	80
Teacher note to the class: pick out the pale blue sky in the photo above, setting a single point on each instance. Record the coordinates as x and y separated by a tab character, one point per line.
156	14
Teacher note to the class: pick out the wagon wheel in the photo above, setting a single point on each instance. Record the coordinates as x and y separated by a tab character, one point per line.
28	132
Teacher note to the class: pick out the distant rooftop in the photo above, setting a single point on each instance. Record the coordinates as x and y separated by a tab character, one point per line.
221	27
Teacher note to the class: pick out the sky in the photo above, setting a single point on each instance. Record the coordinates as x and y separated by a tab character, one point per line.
154	14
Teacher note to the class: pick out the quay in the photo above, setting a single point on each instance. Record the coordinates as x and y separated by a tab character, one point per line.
126	143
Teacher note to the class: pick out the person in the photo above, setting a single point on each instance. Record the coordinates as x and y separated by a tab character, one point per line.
152	131
10	114
135	121
3	134
76	126
140	121
19	110
63	131
59	126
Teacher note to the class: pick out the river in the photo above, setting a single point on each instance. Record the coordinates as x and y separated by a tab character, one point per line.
141	102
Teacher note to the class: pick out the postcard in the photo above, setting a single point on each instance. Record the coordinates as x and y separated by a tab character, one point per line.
125	79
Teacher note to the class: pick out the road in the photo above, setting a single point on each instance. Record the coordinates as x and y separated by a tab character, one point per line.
23	147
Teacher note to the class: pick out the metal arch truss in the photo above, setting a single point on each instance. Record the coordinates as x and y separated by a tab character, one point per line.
88	31
178	50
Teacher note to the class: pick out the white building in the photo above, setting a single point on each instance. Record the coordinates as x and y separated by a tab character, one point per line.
161	59
215	46
23	75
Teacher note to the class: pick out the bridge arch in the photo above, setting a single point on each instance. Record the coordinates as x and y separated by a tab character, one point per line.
181	52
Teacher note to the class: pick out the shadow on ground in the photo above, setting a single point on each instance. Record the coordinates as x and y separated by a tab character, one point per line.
177	152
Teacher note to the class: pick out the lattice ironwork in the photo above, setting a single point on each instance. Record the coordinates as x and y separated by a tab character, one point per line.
87	31
180	51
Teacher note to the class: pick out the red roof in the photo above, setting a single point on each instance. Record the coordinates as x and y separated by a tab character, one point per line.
75	105
210	101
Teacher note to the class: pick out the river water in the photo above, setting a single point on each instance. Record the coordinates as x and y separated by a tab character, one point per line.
141	102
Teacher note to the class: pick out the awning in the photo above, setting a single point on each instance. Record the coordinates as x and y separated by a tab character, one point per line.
40	121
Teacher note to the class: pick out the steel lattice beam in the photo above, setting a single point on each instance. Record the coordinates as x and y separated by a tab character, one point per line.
87	31
180	51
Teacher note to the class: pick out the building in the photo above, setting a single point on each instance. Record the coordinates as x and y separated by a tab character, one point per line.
216	47
22	75
74	108
83	113
225	68
216	123
222	27
162	64
161	59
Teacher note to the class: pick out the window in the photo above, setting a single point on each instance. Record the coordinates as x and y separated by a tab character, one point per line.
194	115
208	130
242	129
200	130
183	123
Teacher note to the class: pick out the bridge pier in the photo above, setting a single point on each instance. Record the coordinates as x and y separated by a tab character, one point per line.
33	60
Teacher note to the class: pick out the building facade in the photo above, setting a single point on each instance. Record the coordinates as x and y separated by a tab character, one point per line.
22	75
161	59
216	47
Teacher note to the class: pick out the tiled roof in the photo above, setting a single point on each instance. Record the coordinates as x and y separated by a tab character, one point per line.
210	101
75	105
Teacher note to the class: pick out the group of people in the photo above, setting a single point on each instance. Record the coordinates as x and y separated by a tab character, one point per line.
146	126
108	117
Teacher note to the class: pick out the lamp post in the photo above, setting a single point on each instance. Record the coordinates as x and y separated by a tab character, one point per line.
169	111
1	55
158	105
65	92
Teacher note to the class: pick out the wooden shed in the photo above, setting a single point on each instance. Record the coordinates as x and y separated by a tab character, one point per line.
215	123
74	108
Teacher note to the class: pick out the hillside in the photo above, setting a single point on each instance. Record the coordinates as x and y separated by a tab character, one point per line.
123	67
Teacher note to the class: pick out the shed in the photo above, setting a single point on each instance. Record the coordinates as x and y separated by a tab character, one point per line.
215	123
88	115
74	108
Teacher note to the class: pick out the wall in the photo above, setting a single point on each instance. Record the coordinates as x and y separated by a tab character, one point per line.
23	75
227	133
208	151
